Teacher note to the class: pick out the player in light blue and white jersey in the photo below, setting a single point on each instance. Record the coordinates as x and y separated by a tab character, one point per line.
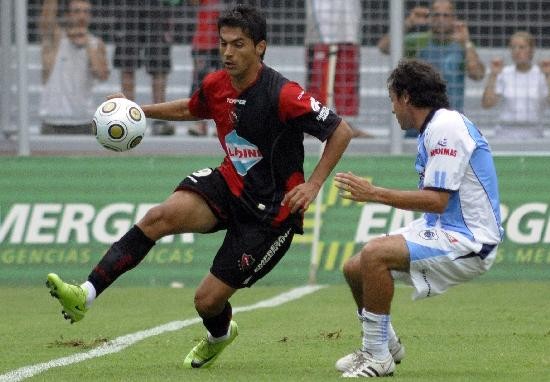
453	156
453	242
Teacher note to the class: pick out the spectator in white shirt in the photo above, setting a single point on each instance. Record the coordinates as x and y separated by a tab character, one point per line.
73	59
520	89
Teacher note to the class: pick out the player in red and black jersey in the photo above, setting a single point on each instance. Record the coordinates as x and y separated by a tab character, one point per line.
258	194
261	129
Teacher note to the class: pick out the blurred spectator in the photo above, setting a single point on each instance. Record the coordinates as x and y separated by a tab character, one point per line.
72	58
143	36
523	89
205	50
336	23
445	44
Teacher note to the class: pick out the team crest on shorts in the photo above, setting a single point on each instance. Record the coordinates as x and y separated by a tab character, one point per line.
428	234
246	262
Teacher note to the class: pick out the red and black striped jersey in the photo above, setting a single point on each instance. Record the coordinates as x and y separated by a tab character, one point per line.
261	130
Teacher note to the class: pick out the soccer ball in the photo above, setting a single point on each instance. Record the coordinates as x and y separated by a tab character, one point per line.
119	124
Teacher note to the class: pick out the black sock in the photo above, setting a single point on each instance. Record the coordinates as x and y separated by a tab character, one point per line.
122	256
219	325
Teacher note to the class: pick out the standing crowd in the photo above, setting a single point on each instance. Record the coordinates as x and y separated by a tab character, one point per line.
74	60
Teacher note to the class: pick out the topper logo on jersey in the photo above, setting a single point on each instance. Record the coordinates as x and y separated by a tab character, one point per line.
234	101
243	154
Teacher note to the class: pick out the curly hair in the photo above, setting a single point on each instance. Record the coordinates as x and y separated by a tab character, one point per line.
421	81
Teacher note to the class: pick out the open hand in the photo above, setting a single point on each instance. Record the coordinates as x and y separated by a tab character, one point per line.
461	34
354	187
417	17
497	64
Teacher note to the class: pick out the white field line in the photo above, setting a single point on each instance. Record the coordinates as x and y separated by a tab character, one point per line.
121	343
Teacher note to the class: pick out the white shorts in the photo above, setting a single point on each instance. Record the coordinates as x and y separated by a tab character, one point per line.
440	258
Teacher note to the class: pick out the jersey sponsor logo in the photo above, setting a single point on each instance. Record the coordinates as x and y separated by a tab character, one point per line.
301	94
317	107
234	101
272	250
442	142
243	154
443	151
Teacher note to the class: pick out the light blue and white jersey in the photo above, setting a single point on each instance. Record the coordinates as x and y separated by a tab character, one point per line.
454	156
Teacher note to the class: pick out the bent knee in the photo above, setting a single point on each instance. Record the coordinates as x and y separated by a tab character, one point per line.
352	266
390	251
157	222
373	250
154	215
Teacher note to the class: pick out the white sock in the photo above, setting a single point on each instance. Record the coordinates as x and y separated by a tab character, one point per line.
375	334
90	293
392	336
215	340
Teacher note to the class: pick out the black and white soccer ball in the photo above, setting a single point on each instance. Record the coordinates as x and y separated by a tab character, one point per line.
119	124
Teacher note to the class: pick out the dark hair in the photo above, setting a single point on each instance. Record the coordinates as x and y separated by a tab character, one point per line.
421	82
249	19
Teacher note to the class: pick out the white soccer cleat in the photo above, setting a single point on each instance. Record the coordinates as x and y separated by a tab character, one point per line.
345	363
397	351
365	366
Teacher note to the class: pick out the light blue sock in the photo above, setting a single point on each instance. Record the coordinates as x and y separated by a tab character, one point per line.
375	334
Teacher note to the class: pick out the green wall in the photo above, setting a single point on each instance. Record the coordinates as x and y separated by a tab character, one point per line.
59	214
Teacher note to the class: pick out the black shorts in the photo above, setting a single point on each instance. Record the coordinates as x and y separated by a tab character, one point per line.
140	38
250	248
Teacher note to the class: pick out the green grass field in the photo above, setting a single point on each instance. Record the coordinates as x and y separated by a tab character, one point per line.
482	331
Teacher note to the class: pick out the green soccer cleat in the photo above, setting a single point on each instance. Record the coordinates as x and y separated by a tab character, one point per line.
71	297
205	353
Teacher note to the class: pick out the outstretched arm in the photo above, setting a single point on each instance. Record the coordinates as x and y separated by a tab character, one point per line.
301	196
177	110
361	190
